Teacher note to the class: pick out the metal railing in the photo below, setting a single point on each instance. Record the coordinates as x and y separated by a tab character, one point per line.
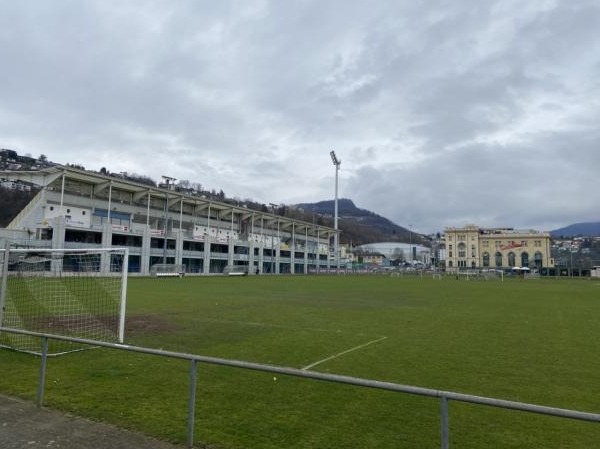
443	396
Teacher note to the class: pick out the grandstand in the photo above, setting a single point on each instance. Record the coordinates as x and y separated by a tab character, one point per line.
81	209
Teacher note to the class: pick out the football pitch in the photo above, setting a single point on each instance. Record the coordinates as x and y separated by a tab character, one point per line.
533	341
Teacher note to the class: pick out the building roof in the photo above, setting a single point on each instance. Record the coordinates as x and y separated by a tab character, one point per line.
47	176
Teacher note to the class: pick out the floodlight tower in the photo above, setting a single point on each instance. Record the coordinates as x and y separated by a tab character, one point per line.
337	164
168	181
273	205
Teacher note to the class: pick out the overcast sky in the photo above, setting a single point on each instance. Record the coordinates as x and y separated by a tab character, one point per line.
443	113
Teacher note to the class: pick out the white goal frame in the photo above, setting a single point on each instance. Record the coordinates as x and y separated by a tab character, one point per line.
52	268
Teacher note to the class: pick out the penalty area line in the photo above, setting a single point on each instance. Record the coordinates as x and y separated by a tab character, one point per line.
312	365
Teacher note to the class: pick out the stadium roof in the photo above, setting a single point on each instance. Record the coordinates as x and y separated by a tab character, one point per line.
47	176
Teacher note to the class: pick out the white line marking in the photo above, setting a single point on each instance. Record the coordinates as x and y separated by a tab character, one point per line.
312	365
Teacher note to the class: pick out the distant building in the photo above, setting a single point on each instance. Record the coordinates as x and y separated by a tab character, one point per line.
475	247
398	250
16	185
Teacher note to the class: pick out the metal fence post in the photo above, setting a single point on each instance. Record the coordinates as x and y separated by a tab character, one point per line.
192	404
444	423
42	379
3	285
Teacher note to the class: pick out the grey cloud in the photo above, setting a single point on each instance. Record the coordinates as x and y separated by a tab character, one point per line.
436	110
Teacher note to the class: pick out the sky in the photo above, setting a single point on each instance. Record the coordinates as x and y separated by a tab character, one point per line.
443	113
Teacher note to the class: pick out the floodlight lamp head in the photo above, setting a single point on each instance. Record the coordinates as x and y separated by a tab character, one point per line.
334	159
168	178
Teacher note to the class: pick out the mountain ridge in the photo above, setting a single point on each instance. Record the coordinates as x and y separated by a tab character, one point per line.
585	229
361	226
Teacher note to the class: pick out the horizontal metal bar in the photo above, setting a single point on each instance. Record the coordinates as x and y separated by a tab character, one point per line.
65	250
389	386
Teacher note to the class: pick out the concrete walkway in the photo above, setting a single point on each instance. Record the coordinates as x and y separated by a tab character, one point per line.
23	425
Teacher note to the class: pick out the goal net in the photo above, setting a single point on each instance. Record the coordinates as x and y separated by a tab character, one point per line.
167	270
77	293
480	274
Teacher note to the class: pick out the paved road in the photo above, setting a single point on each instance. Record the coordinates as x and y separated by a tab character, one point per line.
23	425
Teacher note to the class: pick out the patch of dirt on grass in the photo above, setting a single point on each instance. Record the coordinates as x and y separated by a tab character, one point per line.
137	325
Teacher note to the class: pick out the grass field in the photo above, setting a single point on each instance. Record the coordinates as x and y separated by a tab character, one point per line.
532	341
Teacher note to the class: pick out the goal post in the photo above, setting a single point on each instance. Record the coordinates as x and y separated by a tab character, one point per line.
74	292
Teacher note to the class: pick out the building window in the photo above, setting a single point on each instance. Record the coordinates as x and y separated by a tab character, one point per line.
485	243
462	250
486	259
524	260
511	259
498	258
538	259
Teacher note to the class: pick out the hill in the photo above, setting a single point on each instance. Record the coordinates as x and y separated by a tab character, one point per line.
591	229
360	226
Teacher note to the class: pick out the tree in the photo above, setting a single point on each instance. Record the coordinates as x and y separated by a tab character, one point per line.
12	202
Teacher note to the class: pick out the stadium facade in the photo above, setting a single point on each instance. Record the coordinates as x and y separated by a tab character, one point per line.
81	209
474	247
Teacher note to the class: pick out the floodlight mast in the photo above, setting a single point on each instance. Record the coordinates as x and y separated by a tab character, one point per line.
273	206
168	180
337	164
